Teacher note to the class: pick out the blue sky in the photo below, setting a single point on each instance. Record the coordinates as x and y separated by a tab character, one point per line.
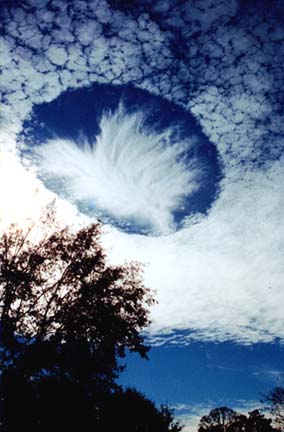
207	372
196	378
165	120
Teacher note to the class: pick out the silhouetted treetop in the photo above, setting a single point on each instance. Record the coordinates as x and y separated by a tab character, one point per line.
225	419
257	422
275	401
66	315
218	420
60	291
130	410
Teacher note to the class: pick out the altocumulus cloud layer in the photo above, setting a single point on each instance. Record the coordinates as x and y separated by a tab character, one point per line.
221	275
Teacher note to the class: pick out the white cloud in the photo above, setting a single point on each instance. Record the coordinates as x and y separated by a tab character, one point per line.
57	55
20	198
22	195
223	276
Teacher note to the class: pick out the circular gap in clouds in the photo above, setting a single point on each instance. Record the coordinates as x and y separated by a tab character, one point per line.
123	155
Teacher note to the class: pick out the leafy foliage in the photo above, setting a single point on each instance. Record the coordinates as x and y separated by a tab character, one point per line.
59	297
66	316
275	401
225	419
218	419
130	411
257	422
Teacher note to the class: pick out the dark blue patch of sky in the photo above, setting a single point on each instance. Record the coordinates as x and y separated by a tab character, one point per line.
205	371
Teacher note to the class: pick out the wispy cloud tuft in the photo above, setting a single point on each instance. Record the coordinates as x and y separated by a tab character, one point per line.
129	173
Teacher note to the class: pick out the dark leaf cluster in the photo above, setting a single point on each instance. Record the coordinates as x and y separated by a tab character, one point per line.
66	317
225	419
274	400
58	294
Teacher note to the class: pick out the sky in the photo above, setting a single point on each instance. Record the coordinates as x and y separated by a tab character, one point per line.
165	121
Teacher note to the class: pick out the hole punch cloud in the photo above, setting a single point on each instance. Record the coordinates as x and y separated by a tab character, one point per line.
128	173
222	277
130	158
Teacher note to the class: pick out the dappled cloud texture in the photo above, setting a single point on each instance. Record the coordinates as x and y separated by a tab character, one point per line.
221	276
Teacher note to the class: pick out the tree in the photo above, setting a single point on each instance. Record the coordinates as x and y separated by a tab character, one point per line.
66	315
225	419
218	420
275	401
257	422
62	290
130	411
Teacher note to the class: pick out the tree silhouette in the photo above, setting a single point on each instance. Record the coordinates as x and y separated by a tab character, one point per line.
218	420
130	411
257	422
61	290
275	400
225	419
66	316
